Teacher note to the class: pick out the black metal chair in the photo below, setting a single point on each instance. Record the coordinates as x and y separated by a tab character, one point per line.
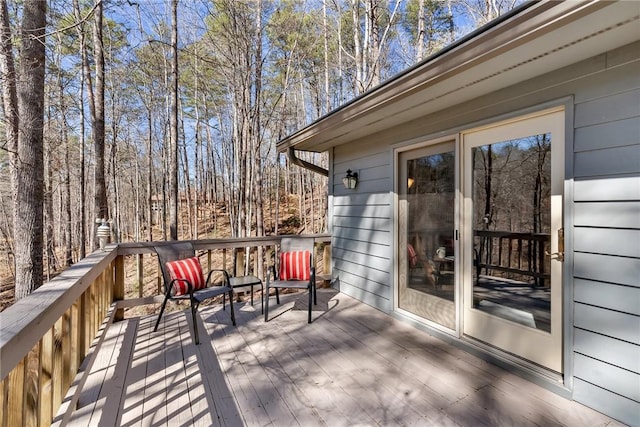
291	270
175	289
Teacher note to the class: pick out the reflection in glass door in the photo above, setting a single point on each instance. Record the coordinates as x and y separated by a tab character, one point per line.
426	236
513	223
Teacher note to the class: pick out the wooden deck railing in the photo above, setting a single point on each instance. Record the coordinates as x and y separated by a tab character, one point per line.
49	339
519	254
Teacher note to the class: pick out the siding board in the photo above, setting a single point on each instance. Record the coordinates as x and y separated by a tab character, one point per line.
618	353
617	106
607	322
608	241
604	268
369	283
351	262
618	380
362	199
609	189
374	237
612	214
620	160
370	252
366	224
625	299
366	297
358	211
608	135
621	408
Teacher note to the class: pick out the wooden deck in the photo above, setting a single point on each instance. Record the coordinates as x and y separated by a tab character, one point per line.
352	366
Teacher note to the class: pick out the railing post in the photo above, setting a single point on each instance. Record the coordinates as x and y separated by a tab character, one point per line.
140	271
326	260
239	268
118	288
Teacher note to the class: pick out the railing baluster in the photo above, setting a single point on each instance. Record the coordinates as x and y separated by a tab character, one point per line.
118	286
45	378
75	357
57	366
4	396
140	274
67	374
16	396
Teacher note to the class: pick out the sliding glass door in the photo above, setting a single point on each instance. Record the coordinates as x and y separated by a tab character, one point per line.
480	238
427	206
513	236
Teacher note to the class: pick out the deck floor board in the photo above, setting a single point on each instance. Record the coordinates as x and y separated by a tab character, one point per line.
353	365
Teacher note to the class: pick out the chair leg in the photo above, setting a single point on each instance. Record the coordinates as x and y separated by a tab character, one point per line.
224	300
310	296
315	295
164	304
233	315
266	307
194	309
277	296
262	297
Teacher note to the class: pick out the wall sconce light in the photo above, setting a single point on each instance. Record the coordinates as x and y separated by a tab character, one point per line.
350	181
410	182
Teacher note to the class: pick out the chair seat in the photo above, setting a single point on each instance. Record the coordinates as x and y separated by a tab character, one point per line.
203	294
297	284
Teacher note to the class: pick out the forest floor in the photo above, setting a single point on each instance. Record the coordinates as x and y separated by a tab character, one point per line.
289	223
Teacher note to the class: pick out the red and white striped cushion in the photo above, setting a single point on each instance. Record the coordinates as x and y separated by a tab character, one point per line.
295	265
412	255
189	269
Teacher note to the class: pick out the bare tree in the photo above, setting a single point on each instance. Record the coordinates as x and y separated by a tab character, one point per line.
98	126
173	125
27	150
85	72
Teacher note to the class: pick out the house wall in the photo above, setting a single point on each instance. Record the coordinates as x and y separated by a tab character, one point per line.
602	215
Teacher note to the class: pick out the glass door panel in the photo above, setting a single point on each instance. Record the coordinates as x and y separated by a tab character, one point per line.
426	238
513	214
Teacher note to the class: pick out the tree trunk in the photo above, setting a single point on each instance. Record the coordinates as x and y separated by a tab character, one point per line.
420	32
28	215
10	101
98	127
173	124
85	67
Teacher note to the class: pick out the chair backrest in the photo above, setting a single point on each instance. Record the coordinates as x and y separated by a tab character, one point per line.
172	252
295	244
290	244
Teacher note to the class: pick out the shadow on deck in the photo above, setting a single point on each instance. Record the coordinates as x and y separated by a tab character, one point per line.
353	365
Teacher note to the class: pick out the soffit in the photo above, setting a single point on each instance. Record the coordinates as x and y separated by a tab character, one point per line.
540	39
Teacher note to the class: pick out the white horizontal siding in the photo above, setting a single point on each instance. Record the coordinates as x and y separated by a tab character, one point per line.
610	241
606	244
625	299
607	189
621	381
607	402
362	225
607	322
610	214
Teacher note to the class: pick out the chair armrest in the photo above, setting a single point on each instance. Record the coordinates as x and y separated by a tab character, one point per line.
224	273
189	286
